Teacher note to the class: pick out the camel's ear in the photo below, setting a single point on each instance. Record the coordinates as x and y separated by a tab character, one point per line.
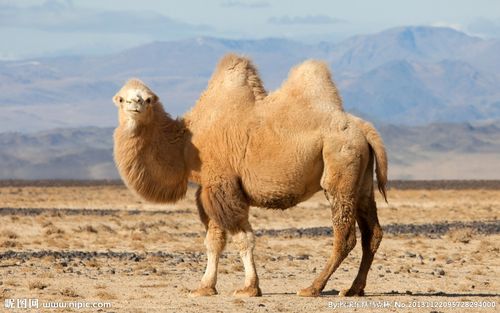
118	100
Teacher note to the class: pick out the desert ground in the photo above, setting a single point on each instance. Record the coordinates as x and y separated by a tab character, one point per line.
101	243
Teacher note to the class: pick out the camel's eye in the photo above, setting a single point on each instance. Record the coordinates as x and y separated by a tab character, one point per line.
120	99
148	100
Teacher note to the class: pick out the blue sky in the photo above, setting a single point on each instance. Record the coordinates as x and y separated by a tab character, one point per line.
32	28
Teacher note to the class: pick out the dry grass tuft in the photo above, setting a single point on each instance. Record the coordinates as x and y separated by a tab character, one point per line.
104	295
87	228
53	230
37	284
10	234
69	292
93	263
137	236
10	244
461	235
11	282
107	228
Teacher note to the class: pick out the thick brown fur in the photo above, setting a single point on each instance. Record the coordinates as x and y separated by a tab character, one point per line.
245	148
146	155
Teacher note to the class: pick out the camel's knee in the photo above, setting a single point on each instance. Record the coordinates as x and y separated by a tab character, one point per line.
244	241
215	241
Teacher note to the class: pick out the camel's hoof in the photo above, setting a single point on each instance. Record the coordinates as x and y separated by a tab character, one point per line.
203	292
352	292
248	292
308	292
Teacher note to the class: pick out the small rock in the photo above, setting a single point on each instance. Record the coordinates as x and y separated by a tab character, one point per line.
261	305
303	257
410	254
290	257
408	292
420	258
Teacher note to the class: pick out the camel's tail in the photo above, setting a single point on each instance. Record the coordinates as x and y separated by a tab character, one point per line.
375	141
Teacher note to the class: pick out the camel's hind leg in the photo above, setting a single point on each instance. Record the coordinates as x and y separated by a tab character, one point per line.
344	240
343	164
215	242
371	236
245	242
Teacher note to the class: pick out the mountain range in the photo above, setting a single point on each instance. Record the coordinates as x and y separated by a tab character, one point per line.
436	151
432	93
405	76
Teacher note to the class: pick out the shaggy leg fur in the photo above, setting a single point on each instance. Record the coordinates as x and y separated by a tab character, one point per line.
222	202
371	232
215	241
371	235
245	241
344	240
340	185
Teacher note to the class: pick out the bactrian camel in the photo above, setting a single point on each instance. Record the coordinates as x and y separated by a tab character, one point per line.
245	148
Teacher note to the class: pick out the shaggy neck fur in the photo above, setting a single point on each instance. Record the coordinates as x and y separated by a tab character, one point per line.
150	157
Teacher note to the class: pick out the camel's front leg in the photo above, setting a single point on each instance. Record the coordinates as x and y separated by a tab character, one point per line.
215	242
245	242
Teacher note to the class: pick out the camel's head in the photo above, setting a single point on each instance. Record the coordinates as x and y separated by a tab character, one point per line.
135	102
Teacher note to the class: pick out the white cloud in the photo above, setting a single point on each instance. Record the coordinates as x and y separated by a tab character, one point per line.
245	4
455	26
64	16
308	19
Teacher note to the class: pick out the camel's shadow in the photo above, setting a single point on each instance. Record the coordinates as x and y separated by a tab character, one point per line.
434	294
334	292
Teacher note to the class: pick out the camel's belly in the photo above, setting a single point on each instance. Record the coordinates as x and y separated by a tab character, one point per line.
283	170
282	191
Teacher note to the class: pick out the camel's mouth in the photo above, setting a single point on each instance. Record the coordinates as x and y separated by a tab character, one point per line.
134	111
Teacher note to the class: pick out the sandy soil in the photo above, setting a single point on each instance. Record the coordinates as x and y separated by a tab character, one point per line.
102	243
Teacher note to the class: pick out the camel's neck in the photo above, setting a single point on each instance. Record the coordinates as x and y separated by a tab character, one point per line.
151	158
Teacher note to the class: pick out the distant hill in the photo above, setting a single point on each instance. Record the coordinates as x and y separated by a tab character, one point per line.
406	76
436	151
